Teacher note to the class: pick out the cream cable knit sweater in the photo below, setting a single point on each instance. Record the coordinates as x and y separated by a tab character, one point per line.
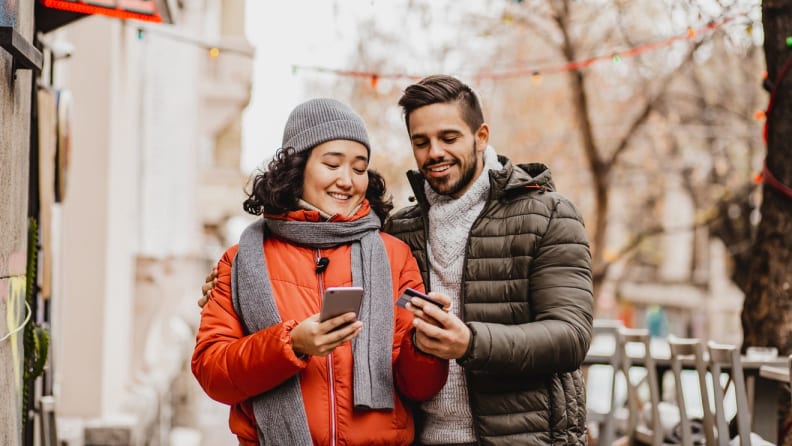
448	416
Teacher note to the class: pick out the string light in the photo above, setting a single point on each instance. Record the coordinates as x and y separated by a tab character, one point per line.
534	73
536	77
789	41
766	176
213	51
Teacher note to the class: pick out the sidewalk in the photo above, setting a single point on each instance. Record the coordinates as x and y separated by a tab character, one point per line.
207	416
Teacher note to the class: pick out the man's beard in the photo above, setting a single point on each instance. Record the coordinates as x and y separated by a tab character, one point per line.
443	188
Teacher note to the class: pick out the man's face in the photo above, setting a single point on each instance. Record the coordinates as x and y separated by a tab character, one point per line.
447	152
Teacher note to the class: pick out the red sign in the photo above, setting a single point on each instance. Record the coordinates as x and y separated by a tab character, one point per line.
122	9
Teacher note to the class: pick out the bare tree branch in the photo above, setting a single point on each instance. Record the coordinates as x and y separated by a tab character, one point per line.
646	111
712	215
532	21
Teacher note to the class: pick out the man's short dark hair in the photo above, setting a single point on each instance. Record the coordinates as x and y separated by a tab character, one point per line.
441	89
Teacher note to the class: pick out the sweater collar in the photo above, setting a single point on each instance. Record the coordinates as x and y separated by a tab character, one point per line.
509	177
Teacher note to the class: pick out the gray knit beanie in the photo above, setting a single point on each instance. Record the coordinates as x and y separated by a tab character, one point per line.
320	120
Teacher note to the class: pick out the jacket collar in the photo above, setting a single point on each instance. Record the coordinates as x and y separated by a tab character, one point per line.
309	213
513	177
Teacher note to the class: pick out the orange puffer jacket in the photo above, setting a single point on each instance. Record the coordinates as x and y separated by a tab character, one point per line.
232	367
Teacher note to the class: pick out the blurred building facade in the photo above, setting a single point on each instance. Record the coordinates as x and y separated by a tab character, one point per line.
152	115
16	86
681	276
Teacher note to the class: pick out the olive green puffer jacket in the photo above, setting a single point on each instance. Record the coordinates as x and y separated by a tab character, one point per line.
527	298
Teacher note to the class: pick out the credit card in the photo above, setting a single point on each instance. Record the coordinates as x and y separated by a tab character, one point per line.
409	293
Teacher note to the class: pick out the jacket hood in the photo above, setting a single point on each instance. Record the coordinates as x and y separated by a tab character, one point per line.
513	177
516	176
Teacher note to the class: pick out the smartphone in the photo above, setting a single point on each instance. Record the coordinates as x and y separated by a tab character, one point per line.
340	300
410	293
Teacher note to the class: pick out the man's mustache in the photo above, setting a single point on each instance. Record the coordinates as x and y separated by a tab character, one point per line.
431	163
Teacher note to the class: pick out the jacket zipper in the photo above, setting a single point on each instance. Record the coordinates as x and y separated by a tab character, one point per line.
331	379
462	307
332	399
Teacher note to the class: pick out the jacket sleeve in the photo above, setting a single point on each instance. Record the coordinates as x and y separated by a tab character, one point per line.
418	376
561	296
230	366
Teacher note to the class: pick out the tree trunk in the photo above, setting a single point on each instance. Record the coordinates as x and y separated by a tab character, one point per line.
767	311
599	170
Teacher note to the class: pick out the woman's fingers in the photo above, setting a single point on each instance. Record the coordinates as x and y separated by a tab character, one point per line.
321	338
338	321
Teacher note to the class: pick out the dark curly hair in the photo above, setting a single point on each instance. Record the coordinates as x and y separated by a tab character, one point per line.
278	189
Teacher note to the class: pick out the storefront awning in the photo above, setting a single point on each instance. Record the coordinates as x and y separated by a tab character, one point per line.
51	14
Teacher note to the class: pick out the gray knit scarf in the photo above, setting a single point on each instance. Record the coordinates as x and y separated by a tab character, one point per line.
280	412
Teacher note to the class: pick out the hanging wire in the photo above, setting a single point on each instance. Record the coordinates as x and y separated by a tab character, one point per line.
18	329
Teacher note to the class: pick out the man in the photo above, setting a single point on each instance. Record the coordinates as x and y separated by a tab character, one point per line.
512	256
509	256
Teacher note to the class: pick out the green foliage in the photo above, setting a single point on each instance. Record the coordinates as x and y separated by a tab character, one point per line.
36	338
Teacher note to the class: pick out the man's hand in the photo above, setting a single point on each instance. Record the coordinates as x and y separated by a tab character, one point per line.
315	338
416	304
438	332
206	288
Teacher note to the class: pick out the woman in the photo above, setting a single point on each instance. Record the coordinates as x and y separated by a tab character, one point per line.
289	378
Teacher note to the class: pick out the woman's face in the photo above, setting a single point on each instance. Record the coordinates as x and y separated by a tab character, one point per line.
336	176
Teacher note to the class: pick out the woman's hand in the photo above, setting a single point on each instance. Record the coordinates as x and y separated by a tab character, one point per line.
315	338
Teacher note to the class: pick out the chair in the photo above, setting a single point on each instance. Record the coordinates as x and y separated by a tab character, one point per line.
607	421
639	432
689	349
726	358
49	431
